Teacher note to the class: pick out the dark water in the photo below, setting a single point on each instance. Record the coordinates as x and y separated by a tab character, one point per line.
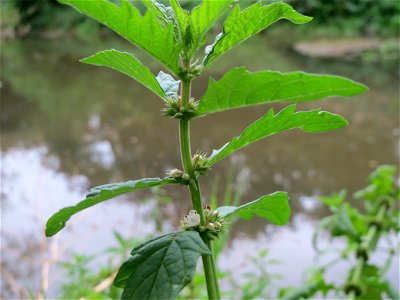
68	126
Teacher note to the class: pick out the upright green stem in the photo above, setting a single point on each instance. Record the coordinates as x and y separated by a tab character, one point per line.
195	193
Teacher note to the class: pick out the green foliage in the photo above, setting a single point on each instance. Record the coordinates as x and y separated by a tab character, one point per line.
241	25
173	262
160	268
99	194
129	65
368	16
274	207
286	119
240	88
42	14
143	31
363	232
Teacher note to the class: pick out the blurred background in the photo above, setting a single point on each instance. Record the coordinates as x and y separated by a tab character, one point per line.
66	127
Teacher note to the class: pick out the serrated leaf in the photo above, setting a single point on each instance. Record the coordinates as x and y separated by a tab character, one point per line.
143	31
240	88
99	194
168	84
286	119
203	17
129	65
274	207
182	17
164	13
241	25
161	267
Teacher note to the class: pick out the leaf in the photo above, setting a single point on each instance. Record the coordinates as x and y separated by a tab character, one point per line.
129	65
334	200
239	88
164	13
286	119
241	25
161	267
273	207
143	31
182	17
203	18
168	84
99	194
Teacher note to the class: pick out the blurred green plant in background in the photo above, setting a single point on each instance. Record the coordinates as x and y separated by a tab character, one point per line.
367	231
368	17
364	230
362	17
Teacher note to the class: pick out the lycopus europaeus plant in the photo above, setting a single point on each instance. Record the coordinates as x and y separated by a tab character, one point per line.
161	267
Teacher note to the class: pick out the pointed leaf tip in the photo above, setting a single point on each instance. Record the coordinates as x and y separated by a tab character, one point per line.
240	88
270	124
127	64
274	207
99	194
168	262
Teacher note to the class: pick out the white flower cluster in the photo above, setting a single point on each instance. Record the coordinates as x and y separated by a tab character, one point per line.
191	220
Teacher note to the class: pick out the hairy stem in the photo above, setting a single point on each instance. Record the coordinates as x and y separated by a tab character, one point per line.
195	193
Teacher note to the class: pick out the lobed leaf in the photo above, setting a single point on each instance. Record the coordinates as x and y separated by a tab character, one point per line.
99	194
161	267
129	65
239	88
143	31
241	25
164	13
203	18
182	17
274	207
286	119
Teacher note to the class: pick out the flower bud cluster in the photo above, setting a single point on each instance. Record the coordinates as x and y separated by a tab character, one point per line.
175	109
214	223
179	175
191	221
200	164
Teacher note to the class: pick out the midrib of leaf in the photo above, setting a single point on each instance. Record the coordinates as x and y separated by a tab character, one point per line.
144	31
241	25
271	124
240	88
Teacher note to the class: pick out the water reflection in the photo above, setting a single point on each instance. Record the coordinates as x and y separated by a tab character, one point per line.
68	126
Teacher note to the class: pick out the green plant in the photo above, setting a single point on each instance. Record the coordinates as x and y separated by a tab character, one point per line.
161	267
363	232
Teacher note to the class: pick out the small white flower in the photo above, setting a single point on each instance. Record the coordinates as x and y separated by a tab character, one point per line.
192	219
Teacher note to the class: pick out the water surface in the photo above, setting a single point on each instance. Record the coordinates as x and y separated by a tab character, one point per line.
68	126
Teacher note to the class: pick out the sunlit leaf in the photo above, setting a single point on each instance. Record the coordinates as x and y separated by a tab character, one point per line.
182	17
144	31
160	268
203	17
241	25
99	194
286	119
168	84
164	13
274	207
240	88
129	65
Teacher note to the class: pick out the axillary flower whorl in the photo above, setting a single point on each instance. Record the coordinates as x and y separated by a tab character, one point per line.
214	222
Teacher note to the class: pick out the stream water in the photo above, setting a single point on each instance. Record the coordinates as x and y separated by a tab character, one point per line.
68	126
